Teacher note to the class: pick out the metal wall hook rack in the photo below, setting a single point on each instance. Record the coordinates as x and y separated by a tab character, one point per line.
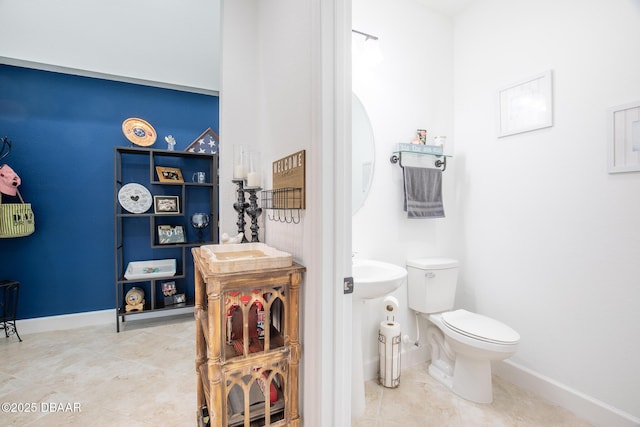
440	162
283	204
288	216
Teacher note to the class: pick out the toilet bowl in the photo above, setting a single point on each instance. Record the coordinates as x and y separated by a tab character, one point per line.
462	355
463	344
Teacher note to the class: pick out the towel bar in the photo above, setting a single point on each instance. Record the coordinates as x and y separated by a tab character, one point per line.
397	158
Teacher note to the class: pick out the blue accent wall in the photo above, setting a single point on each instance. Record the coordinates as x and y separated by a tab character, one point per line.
64	129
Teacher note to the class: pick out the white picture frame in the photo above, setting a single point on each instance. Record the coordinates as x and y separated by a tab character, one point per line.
623	147
526	105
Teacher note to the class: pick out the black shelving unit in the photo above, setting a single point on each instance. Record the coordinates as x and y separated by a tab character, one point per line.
135	234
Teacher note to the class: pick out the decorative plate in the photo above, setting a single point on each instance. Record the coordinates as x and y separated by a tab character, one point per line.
135	198
139	132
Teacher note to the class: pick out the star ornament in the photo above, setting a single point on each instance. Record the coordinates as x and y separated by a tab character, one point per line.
206	143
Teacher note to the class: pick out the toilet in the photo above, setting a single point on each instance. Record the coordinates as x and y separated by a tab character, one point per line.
462	343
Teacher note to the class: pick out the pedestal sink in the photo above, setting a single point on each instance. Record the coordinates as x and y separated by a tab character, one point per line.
371	279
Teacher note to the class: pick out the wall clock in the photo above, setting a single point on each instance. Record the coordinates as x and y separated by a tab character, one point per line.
135	198
134	299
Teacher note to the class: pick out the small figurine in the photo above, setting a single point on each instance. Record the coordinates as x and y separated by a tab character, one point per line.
171	142
225	239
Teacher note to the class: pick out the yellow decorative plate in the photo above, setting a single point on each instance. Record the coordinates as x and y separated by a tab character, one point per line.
139	132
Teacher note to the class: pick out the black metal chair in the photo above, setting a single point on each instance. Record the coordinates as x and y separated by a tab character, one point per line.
8	307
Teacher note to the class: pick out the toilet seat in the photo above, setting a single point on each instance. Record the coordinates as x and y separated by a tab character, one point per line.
479	327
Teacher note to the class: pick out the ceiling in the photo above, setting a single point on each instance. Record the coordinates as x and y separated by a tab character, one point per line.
448	7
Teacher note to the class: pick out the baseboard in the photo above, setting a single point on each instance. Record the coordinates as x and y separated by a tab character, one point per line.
79	320
66	321
586	407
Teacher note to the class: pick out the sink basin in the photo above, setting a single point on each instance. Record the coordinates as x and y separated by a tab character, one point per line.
375	279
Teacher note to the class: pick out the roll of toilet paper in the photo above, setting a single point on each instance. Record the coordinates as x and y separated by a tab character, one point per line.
389	343
390	307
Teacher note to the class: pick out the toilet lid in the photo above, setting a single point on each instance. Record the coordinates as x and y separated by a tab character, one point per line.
480	327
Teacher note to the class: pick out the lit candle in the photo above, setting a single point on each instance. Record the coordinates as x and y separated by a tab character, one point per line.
239	170
253	179
253	171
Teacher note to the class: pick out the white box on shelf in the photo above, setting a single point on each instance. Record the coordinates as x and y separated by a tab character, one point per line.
150	269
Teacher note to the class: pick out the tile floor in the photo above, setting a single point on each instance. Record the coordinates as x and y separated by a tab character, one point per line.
421	401
144	376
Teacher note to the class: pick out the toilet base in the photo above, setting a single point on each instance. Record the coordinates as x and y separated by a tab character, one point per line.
471	378
437	373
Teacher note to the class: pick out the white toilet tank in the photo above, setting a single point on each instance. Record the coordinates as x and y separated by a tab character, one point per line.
432	284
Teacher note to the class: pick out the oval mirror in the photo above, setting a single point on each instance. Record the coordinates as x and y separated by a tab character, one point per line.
362	154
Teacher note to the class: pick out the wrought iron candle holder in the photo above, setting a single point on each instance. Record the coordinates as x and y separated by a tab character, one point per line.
240	206
254	211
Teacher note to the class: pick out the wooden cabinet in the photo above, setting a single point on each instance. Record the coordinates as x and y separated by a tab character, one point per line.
149	233
247	345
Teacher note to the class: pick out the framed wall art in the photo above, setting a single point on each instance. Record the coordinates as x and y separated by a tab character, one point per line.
170	234
166	204
168	174
623	148
526	105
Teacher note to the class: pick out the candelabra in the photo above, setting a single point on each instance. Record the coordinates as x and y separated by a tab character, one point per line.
254	211
240	206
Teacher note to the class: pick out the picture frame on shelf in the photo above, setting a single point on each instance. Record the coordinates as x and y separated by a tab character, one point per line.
166	205
168	288
207	143
169	234
175	300
169	174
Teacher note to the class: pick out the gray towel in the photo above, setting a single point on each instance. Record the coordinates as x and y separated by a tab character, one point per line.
423	192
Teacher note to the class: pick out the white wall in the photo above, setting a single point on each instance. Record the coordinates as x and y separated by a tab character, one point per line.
551	241
282	91
238	107
547	239
172	45
412	88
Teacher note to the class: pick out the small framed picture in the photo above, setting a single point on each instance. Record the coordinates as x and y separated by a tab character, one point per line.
168	288
526	105
206	143
170	234
168	174
166	204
